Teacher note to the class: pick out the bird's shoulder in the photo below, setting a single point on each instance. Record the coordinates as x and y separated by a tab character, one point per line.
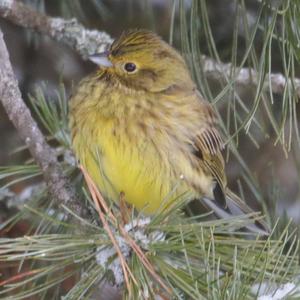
87	86
206	141
206	136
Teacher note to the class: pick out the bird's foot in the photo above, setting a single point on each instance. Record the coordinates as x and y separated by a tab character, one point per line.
125	209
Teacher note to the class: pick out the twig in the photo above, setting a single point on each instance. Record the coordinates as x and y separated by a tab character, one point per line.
70	32
20	276
247	76
10	97
87	42
98	200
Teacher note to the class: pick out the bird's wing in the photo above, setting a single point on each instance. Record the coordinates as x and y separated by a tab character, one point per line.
208	136
207	147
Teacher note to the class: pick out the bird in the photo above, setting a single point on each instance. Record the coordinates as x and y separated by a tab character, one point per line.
141	128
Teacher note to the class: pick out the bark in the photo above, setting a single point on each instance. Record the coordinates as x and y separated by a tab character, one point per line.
58	185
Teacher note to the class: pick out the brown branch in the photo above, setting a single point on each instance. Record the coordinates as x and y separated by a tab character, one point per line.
70	32
10	96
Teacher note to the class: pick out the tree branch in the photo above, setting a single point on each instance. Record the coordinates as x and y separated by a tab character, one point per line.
58	185
70	32
247	76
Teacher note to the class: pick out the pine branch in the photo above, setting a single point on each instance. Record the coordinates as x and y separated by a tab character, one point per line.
247	76
70	32
58	185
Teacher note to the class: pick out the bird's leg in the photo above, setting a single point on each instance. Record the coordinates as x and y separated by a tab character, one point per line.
125	210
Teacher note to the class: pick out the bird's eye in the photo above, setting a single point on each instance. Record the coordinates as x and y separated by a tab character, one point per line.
130	67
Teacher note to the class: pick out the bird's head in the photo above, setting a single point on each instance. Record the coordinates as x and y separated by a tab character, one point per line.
141	60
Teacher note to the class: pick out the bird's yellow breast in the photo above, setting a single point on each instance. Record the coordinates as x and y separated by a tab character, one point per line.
125	161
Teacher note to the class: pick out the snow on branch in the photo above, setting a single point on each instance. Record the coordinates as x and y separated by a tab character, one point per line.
70	32
247	76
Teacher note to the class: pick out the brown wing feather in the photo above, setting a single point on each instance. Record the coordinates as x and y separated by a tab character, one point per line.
208	136
209	143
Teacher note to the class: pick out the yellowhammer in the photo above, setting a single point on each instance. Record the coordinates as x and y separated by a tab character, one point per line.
140	127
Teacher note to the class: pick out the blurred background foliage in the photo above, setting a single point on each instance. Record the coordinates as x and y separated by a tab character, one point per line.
259	126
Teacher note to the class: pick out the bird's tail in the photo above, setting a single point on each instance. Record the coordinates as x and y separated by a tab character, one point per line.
236	207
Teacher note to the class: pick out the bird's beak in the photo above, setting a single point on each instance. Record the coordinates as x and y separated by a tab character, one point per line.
101	59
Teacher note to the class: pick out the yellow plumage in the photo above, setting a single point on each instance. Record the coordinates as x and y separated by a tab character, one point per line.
140	126
120	151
